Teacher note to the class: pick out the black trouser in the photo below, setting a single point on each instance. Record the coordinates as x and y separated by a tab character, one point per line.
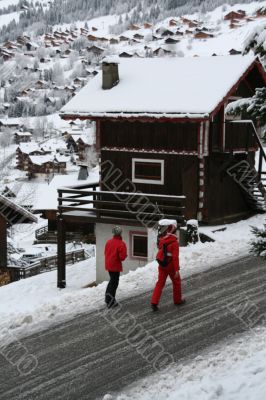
112	287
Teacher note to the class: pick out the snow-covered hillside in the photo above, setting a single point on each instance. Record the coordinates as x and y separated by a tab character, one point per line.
40	73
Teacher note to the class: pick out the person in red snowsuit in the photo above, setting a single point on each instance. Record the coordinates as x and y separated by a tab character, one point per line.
169	239
115	252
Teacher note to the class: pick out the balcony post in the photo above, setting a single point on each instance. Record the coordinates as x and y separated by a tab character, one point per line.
260	165
61	253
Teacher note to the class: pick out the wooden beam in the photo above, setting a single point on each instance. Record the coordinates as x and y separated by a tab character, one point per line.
61	253
3	242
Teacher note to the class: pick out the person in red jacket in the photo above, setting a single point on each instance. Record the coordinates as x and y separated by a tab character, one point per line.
168	255
115	252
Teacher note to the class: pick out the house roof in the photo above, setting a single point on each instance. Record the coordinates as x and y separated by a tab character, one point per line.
172	88
41	160
28	148
13	213
23	133
48	199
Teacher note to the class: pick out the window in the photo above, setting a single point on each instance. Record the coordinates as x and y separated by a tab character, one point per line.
148	171
139	245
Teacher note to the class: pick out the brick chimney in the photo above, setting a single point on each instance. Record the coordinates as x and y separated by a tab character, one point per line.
110	73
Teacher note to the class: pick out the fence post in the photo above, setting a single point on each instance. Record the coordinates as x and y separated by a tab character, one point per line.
61	253
260	165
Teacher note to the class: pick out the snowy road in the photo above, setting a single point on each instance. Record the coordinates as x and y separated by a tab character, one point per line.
88	357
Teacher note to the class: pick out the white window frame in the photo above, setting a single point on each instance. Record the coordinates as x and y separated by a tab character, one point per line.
133	234
150	181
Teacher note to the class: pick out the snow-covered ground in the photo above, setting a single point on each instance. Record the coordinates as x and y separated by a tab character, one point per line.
230	371
35	303
5	19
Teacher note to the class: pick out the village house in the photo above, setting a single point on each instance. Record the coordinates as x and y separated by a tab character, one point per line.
261	12
23	152
138	36
235	15
203	35
171	40
175	155
113	41
22	137
84	31
80	81
161	52
134	27
40	84
190	23
234	24
10	45
125	54
45	165
92	38
123	38
147	25
96	50
167	32
234	52
6	54
172	22
8	123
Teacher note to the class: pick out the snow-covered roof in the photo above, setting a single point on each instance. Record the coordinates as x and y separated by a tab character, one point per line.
40	160
26	192
9	122
48	199
28	148
87	139
61	159
23	133
187	87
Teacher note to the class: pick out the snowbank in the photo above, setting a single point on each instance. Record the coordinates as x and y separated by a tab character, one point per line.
235	371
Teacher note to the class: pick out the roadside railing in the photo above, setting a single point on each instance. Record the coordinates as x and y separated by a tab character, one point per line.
46	264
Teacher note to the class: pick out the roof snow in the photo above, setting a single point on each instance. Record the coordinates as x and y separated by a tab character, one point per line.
40	160
28	148
174	86
23	133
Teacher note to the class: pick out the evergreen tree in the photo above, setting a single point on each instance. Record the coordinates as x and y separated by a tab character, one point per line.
258	245
252	107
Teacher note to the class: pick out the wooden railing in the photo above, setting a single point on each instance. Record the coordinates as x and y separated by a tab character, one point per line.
41	231
114	207
46	264
239	135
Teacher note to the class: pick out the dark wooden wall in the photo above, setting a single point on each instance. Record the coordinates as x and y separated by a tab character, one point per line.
181	176
157	136
224	198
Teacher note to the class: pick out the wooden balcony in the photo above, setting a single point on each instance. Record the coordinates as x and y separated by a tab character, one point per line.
89	205
233	136
239	135
86	204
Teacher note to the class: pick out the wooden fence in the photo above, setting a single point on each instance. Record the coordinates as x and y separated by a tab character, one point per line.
46	264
